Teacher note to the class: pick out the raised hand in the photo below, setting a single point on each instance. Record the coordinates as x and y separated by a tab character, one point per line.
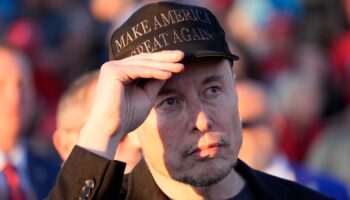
121	104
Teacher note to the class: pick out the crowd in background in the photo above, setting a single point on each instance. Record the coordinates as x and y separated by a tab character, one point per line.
299	50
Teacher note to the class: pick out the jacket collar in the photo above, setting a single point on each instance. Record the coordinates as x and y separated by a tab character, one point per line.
141	184
264	186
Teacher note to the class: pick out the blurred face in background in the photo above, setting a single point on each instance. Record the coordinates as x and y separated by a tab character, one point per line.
259	139
72	113
16	97
108	10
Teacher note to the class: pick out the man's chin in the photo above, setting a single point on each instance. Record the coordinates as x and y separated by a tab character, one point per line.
207	173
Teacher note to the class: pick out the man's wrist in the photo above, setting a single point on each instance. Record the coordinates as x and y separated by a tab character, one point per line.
97	142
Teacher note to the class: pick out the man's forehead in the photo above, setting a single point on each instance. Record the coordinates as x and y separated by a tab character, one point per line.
203	67
202	72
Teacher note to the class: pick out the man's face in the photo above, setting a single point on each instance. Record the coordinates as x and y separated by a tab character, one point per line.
193	132
10	87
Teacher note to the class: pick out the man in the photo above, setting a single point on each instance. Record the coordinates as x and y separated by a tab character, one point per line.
260	148
26	170
73	110
170	80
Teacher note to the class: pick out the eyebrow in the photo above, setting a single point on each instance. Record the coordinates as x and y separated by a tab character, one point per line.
212	78
166	91
209	79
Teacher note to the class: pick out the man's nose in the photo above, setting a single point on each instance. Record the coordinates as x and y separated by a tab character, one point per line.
202	122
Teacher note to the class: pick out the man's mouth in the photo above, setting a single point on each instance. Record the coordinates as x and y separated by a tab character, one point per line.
205	151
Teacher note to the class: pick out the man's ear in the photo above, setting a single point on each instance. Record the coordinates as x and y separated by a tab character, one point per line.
64	142
57	142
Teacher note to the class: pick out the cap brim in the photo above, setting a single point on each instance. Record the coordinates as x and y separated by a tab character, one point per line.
198	54
207	53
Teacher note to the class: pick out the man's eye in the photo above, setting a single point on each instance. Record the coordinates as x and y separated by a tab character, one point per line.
212	91
168	103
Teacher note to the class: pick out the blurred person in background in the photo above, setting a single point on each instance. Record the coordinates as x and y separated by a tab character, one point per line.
27	35
300	101
312	83
260	147
27	169
46	31
114	12
110	10
267	32
330	153
73	109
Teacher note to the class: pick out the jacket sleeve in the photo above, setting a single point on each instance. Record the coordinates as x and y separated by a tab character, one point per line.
86	175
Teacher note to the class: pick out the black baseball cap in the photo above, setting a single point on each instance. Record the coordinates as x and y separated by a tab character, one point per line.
170	26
